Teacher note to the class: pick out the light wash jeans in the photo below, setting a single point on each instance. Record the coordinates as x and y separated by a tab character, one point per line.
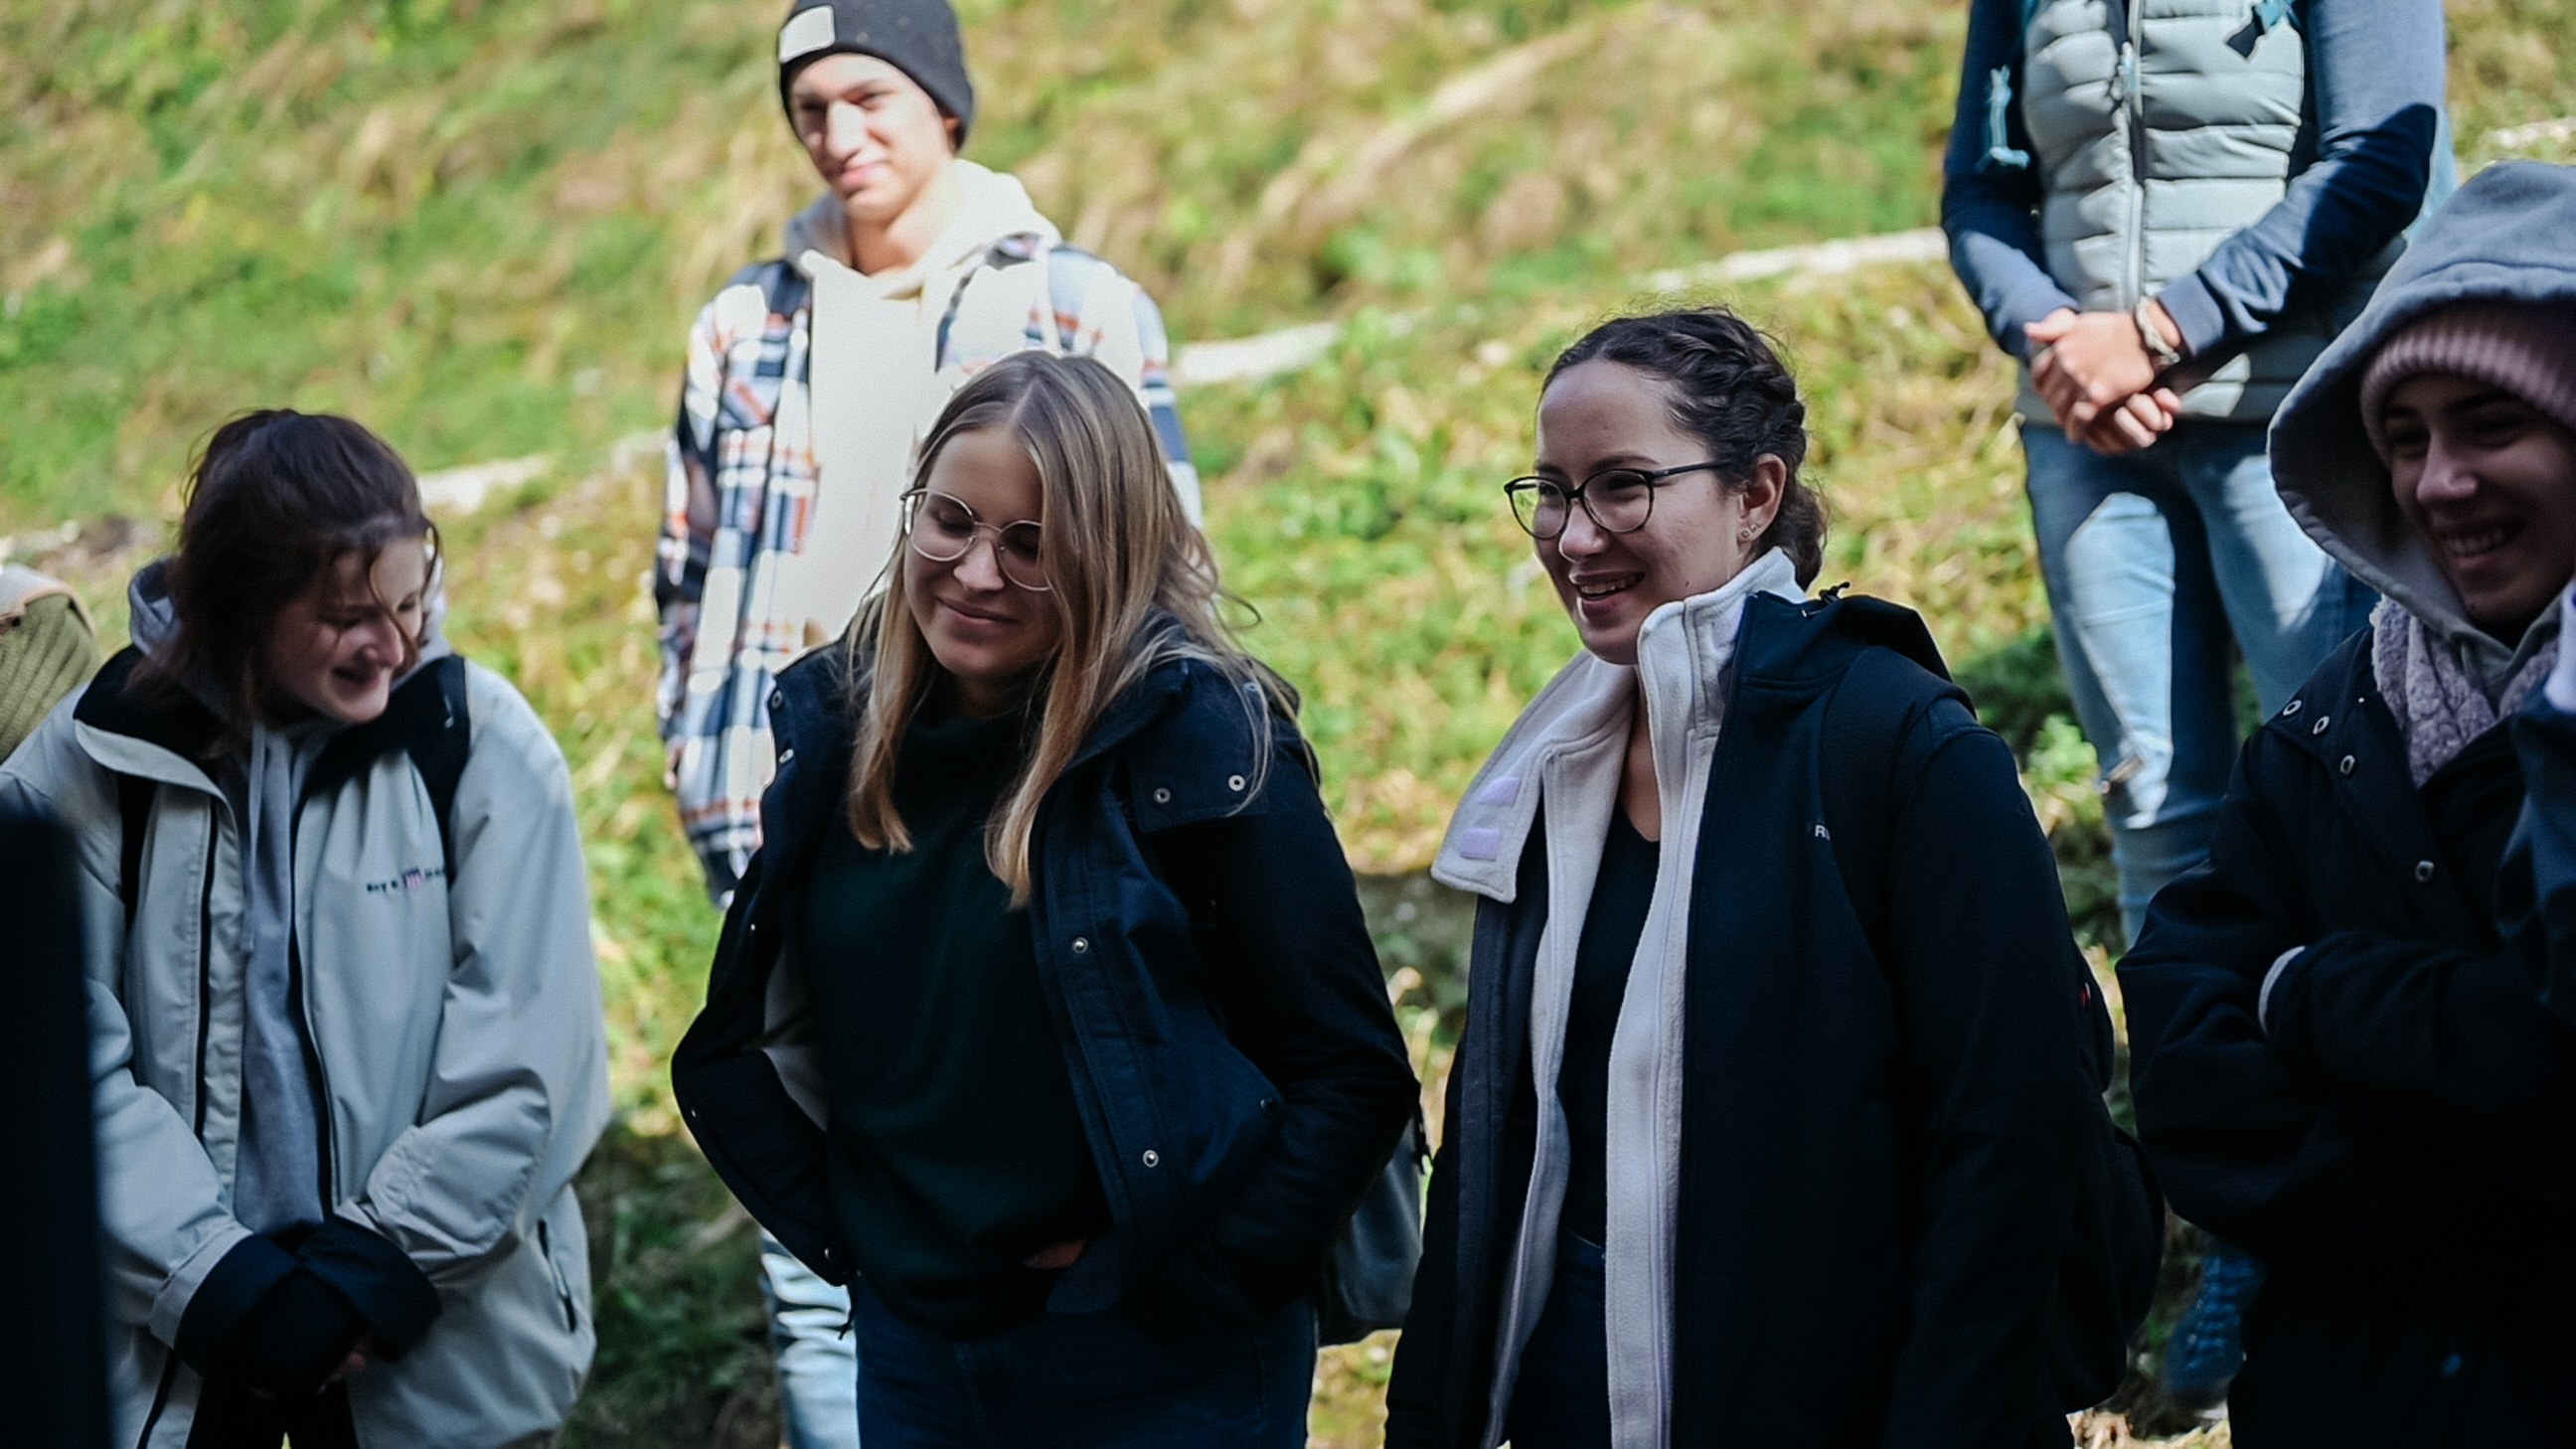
2153	559
818	1358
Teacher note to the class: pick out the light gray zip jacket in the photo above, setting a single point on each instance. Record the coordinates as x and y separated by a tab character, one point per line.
456	1022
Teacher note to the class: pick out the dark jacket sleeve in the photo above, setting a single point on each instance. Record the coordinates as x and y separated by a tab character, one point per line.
2457	1047
2375	70
1988	993
1990	188
1304	999
2244	1144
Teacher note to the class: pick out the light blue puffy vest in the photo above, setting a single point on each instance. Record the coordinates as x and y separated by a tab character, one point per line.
2161	128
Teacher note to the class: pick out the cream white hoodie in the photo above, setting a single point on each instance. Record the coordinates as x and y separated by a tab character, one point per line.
876	385
1565	755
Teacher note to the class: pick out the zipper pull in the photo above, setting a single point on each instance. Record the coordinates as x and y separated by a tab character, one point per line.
2000	152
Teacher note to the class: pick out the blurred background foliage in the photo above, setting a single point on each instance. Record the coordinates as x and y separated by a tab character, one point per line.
482	228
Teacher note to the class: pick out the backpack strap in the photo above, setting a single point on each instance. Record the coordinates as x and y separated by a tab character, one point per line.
1055	295
1864	723
441	757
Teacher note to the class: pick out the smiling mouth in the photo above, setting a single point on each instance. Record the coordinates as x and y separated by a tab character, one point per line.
2470	543
1606	588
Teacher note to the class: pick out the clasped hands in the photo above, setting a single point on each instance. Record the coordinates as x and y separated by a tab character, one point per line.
2095	374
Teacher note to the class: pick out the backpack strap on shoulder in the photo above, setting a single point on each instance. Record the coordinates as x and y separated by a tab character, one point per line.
440	757
1864	723
134	796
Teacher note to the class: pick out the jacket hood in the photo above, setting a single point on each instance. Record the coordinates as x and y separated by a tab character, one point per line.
992	205
2503	237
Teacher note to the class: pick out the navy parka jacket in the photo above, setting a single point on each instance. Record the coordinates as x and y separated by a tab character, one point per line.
1879	1157
2388	1126
1237	1067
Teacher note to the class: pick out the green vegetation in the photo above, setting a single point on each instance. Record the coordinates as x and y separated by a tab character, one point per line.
482	228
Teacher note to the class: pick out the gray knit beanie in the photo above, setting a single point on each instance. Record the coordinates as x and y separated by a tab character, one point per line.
918	37
2527	349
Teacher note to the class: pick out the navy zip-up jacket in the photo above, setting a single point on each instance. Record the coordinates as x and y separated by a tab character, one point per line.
2387	1124
1237	1067
1879	1148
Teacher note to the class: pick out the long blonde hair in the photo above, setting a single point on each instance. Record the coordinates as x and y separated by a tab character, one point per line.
1118	550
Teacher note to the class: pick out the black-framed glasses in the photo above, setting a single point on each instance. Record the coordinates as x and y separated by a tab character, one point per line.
943	530
1619	500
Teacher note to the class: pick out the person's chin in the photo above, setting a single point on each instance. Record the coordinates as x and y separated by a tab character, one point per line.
2507	585
1614	642
356	705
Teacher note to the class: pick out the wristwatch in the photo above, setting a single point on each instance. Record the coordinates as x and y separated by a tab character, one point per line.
2164	353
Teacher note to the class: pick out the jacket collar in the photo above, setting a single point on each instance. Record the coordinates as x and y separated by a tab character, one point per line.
164	735
1684	670
1195	764
156	734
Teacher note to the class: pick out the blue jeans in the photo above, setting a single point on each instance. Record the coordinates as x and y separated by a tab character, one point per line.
1091	1381
1562	1398
818	1355
2153	559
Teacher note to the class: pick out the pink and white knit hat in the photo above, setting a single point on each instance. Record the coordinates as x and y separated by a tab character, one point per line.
2527	349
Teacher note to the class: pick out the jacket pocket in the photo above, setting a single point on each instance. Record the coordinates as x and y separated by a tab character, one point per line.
562	1242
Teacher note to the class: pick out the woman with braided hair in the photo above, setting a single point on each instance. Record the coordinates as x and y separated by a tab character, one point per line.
1767	1119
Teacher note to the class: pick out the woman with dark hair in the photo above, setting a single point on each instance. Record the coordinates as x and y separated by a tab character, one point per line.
1047	1009
345	1021
1766	1125
2354	1048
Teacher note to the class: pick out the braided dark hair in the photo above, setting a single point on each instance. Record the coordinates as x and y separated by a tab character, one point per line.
1732	392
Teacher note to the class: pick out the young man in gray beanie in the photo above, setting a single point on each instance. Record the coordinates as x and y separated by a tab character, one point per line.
811	376
810	379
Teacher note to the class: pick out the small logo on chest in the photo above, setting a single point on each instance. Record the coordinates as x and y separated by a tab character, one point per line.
410	880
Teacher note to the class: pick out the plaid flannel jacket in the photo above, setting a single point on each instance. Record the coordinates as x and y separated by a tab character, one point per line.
744	436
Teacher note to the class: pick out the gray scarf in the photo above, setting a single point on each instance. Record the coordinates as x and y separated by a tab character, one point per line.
2440	705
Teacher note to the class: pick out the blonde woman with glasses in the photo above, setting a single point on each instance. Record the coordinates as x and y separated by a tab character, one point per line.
1047	1009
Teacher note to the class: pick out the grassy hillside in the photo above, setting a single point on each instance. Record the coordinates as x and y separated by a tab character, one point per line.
482	227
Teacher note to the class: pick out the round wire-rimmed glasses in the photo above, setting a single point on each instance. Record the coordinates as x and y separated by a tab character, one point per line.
1618	500
943	529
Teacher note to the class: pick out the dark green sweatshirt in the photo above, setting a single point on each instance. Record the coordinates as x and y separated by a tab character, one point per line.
956	1147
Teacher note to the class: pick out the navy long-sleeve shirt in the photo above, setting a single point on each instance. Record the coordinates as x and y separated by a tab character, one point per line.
2375	95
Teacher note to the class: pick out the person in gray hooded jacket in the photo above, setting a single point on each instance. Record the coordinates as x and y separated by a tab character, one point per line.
345	1031
2344	1059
